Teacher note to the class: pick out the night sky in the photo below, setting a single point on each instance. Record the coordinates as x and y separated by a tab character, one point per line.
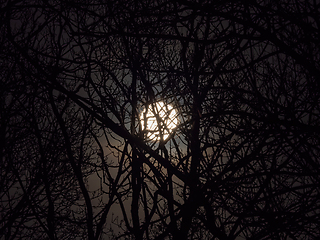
158	119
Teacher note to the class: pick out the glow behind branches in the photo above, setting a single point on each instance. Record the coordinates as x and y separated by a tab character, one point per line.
159	121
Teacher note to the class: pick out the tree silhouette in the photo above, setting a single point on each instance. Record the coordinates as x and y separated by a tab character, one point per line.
77	79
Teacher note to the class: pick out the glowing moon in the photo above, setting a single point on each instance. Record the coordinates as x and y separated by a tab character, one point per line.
159	121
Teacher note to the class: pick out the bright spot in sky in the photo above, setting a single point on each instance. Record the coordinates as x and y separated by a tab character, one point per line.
159	121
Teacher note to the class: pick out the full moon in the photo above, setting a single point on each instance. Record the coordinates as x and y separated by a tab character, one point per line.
158	121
